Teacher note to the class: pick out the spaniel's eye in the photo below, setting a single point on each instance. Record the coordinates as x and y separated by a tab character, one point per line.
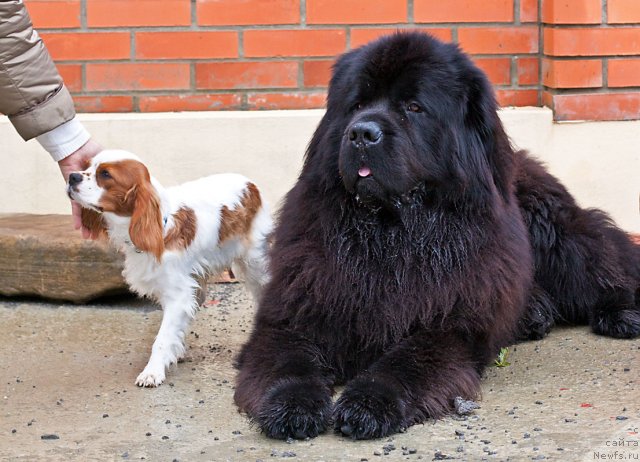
104	174
414	107
357	106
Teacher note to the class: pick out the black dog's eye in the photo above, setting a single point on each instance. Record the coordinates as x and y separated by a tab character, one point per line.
357	106
414	107
104	174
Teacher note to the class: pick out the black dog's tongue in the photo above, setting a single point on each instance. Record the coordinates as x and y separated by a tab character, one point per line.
364	172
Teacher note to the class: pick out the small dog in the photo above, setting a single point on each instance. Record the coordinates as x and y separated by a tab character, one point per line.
171	237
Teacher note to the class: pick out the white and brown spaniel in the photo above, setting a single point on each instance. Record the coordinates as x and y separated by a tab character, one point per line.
171	237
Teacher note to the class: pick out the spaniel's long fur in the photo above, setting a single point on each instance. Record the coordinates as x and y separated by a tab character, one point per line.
172	236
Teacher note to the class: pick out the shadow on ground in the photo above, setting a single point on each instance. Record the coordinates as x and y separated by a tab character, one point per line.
67	373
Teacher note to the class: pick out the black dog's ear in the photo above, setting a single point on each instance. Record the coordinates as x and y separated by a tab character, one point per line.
321	154
484	132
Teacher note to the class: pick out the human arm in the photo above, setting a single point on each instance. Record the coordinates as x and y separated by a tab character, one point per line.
34	97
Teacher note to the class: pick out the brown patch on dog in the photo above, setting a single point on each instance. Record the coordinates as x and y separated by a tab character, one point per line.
92	220
183	231
120	181
237	222
128	192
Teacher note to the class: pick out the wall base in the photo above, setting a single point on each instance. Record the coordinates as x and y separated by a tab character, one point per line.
598	161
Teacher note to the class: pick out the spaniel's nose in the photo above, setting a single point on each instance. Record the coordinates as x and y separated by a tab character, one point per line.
74	179
365	133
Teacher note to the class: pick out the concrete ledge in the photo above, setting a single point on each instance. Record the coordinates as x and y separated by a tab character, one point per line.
598	161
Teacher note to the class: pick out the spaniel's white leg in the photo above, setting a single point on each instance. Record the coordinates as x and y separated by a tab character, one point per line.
168	346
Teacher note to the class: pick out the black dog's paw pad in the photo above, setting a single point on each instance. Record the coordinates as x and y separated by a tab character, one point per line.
617	324
366	414
295	410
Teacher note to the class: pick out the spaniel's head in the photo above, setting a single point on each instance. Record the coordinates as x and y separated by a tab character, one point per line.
117	182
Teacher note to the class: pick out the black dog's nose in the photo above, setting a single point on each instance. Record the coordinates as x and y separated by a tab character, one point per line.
74	179
365	133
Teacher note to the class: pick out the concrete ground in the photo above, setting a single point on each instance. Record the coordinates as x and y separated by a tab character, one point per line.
67	393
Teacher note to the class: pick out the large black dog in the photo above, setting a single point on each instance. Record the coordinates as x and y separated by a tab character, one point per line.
414	245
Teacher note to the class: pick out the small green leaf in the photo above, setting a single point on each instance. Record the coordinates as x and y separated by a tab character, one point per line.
502	358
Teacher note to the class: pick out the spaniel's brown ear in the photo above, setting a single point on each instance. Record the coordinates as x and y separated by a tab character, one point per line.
92	220
145	229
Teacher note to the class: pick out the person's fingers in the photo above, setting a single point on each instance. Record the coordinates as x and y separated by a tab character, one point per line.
75	162
76	212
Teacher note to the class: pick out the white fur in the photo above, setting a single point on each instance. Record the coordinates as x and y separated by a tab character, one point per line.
172	281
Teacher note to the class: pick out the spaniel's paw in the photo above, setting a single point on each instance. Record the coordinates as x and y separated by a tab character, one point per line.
150	377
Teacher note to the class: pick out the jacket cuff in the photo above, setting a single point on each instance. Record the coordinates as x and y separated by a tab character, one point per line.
45	116
64	139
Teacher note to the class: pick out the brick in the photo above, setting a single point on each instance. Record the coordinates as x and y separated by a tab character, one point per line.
623	11
624	72
528	70
86	46
280	74
58	14
360	36
186	45
272	43
547	99
356	12
247	12
497	69
572	11
583	73
124	13
517	97
103	103
599	106
499	40
592	42
317	73
286	100
463	11
529	11
175	103
137	76
72	76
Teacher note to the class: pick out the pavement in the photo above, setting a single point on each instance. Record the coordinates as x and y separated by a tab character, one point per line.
67	393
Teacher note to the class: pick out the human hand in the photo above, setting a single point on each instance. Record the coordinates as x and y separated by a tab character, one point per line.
75	162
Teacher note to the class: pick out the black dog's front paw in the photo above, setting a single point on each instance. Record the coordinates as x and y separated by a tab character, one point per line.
369	409
295	409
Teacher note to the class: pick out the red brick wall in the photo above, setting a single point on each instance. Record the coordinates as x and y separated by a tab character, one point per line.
172	55
591	59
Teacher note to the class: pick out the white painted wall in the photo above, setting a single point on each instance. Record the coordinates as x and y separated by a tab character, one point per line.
598	161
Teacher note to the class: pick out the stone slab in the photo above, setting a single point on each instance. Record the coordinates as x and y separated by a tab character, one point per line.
43	256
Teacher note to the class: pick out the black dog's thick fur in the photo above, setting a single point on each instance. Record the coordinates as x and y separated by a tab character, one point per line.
414	245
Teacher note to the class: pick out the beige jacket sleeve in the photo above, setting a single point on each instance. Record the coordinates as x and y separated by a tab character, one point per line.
32	93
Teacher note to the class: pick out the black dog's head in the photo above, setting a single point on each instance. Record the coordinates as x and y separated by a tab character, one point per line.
408	114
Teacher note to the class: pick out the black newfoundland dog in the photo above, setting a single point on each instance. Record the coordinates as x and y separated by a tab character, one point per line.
414	245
